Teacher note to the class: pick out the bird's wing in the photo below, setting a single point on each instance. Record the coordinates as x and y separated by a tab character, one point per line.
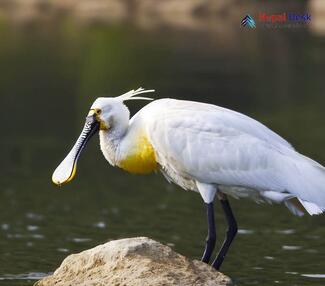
211	117
216	145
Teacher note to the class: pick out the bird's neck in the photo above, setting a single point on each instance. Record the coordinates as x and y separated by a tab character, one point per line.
130	150
110	141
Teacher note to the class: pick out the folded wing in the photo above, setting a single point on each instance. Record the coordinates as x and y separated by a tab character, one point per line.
216	145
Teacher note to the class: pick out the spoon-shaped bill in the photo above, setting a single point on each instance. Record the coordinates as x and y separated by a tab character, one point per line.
66	171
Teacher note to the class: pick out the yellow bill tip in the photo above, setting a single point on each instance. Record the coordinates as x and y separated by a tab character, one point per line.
57	183
61	182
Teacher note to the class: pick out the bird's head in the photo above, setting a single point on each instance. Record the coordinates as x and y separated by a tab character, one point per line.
104	114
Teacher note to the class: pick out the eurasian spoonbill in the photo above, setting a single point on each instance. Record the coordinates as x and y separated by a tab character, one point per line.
204	148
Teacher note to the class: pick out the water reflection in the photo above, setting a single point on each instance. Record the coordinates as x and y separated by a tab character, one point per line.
65	250
25	276
286	231
100	224
291	247
321	276
80	239
245	231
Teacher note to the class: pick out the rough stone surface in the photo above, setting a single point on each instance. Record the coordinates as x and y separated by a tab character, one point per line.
133	262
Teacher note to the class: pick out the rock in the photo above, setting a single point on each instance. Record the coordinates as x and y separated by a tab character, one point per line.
133	262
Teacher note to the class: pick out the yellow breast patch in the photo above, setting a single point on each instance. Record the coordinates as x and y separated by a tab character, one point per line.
141	159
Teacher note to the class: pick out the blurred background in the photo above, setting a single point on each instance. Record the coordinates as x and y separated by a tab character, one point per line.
57	57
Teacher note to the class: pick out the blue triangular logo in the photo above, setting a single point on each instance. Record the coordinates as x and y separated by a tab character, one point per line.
248	21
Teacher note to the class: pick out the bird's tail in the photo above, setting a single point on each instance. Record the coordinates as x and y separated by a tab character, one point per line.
308	184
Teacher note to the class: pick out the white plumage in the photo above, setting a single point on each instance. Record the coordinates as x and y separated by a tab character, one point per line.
205	148
197	142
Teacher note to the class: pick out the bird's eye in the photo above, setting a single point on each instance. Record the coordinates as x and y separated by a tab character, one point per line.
98	111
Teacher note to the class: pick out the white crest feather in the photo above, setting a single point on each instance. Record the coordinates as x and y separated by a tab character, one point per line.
130	95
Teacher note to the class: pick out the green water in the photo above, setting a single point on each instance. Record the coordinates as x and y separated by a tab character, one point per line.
50	74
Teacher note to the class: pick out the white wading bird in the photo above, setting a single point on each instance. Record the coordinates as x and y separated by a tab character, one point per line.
203	148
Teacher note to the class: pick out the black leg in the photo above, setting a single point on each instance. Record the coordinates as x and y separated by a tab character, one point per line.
211	238
231	232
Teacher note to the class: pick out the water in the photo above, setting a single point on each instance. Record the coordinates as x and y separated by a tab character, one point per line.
50	74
